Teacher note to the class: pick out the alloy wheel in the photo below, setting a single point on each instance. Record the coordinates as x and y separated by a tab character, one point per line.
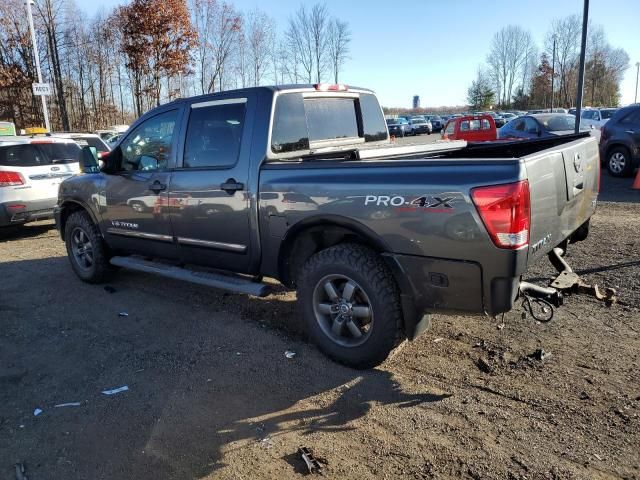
82	248
343	310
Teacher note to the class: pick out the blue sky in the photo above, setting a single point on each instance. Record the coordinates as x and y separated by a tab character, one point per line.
432	48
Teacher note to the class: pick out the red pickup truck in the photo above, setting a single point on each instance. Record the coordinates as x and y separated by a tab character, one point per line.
472	128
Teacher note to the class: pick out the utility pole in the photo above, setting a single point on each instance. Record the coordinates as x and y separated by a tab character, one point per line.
583	48
637	72
553	71
36	56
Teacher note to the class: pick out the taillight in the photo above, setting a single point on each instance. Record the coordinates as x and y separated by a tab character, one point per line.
505	211
328	87
10	179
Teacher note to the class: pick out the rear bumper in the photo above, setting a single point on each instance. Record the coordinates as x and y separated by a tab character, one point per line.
19	212
433	285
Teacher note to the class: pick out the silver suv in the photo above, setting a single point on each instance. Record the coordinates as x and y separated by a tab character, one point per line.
31	169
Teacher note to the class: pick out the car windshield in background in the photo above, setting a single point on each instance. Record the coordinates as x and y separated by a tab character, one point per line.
91	142
37	154
556	123
608	113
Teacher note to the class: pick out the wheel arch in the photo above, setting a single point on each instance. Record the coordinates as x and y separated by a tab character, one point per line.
313	234
613	146
71	206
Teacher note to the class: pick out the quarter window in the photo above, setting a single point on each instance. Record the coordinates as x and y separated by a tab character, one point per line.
214	134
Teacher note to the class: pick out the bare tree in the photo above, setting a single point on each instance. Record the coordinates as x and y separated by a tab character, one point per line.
260	33
567	33
510	49
319	19
300	40
338	40
218	28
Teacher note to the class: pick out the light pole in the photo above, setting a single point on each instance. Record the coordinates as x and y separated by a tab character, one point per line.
36	56
553	70
583	48
637	72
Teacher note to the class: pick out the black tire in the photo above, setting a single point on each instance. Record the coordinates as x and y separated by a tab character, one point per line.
86	248
373	288
619	163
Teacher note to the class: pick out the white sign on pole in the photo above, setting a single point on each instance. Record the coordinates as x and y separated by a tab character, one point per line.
41	89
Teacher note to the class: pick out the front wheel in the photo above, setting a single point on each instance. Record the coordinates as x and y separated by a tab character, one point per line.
351	305
86	248
619	162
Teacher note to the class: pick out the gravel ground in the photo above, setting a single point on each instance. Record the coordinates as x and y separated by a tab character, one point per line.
212	395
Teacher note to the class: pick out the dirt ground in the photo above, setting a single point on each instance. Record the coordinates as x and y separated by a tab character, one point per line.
212	395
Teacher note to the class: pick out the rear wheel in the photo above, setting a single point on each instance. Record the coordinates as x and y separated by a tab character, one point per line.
86	248
619	162
351	305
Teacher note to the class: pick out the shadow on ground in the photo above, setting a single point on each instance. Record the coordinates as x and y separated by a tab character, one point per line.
201	376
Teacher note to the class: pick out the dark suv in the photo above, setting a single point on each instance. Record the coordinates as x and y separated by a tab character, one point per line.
620	142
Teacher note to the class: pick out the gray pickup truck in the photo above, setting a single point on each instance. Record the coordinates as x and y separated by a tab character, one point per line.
301	184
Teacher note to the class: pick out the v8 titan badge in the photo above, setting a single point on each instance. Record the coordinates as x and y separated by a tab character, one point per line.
437	203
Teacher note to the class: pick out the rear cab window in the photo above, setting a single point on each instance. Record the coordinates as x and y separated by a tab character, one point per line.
305	121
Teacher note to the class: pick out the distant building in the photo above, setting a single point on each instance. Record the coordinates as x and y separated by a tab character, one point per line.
416	101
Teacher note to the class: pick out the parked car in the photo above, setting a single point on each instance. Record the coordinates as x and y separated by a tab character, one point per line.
437	123
84	139
472	128
620	142
113	140
443	228
31	169
597	117
539	125
420	125
399	127
572	111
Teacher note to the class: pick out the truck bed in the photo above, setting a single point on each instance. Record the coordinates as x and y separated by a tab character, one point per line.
378	195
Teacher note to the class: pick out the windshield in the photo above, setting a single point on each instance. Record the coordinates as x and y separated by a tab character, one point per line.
555	123
608	113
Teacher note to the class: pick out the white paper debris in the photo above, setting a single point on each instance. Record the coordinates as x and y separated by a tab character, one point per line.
69	404
37	412
289	354
116	390
438	340
123	314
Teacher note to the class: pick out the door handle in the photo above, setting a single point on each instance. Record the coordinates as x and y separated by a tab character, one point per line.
631	132
157	187
231	186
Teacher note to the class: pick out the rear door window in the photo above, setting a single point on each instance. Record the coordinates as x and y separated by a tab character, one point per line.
631	118
214	134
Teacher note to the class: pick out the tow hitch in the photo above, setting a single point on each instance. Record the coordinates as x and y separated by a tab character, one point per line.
541	300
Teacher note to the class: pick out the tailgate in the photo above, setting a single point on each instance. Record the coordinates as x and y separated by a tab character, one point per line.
563	182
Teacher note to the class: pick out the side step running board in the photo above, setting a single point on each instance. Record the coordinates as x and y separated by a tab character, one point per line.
210	279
